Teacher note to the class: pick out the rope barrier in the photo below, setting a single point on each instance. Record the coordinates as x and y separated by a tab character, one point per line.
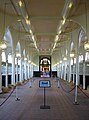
7	97
10	94
83	92
66	90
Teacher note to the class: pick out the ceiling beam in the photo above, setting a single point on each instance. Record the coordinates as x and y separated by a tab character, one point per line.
45	33
45	18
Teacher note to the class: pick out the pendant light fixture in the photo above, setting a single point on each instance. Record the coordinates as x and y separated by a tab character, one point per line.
3	44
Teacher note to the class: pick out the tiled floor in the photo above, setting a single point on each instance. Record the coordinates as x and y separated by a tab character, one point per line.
60	102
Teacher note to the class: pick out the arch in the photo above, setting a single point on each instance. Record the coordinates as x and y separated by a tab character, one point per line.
82	35
8	36
8	39
45	60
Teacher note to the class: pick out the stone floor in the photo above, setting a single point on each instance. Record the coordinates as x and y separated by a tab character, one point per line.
31	98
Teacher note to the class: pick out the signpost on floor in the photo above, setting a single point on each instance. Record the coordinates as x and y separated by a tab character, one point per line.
44	84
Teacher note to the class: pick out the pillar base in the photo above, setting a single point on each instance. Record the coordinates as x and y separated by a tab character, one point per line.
76	103
17	99
44	107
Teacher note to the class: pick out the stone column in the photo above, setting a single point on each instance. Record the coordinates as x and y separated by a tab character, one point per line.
17	71
70	70
73	71
13	69
6	81
65	70
28	71
84	70
25	67
20	70
77	69
61	71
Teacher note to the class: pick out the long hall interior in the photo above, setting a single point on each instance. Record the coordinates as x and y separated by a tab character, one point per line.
44	59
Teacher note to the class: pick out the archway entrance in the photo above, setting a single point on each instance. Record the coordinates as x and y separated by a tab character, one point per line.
45	66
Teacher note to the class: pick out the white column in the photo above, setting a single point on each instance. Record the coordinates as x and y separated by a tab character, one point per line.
32	70
73	74
77	78
69	70
77	69
84	75
28	71
61	70
0	74
65	70
13	69
6	81
84	70
20	70
17	71
58	73
25	67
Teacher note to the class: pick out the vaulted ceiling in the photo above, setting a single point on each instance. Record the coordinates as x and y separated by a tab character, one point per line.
45	18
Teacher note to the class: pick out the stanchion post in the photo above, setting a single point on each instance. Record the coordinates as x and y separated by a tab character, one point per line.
17	98
76	96
58	84
44	84
44	98
30	84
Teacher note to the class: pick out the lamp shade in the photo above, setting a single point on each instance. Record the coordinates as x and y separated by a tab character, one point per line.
3	45
71	55
86	46
64	58
18	55
25	58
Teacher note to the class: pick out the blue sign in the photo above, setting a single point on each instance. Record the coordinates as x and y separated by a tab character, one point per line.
44	83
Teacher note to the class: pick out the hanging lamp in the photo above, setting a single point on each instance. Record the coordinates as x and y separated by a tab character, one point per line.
3	44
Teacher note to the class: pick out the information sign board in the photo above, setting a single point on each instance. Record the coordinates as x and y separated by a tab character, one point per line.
44	83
